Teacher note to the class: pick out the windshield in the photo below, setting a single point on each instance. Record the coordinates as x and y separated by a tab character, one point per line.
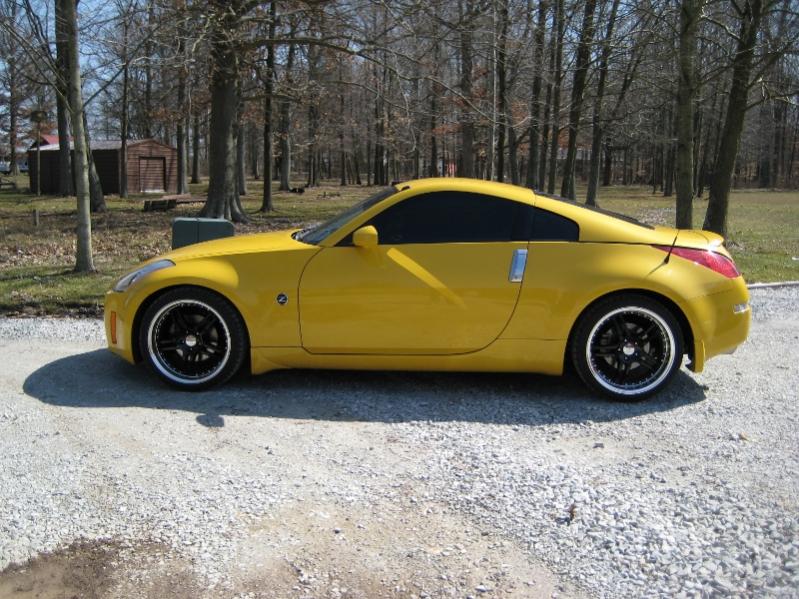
316	234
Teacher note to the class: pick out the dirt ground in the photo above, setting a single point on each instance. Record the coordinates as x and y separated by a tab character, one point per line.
299	553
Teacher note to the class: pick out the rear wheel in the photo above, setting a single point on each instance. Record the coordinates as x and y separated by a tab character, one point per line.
193	338
627	347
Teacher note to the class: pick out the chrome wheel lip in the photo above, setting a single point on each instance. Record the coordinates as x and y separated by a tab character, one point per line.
155	355
664	369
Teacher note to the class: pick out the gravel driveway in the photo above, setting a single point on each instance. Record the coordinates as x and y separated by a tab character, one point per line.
341	484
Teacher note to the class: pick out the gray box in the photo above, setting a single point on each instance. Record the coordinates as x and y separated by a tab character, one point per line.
186	231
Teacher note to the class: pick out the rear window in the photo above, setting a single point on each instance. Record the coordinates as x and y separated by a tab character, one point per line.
549	226
609	213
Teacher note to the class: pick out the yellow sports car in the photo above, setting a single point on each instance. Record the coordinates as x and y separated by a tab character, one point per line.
439	274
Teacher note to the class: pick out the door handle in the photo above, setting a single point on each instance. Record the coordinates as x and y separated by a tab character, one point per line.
517	265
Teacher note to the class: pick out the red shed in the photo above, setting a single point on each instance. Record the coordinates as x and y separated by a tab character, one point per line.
152	166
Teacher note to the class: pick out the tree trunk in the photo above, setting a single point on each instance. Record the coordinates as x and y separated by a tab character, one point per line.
435	91
467	113
254	153
578	88
598	130
65	183
195	149
533	182
95	188
668	180
607	171
543	152
502	91
513	158
718	202
553	148
123	131
239	135
285	124
690	13
312	98
13	105
356	163
241	173
183	185
368	158
84	261
266	202
313	153
222	199
239	128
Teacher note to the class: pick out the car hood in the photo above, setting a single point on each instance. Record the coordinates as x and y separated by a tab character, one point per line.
244	244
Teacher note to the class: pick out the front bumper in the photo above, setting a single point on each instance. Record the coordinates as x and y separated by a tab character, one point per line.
118	326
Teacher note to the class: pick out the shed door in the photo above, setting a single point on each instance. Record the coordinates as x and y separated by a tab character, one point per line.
152	174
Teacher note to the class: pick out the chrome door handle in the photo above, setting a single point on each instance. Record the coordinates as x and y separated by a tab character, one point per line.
517	265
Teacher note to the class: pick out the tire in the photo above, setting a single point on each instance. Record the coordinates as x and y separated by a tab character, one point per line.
193	338
627	347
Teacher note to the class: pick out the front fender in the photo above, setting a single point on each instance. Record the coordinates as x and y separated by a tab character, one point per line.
251	282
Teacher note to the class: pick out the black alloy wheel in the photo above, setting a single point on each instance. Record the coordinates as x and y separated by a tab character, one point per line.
627	347
193	338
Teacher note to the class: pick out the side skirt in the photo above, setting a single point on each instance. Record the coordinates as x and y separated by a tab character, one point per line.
503	355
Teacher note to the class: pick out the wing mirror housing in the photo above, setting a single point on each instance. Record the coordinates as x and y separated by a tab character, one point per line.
365	237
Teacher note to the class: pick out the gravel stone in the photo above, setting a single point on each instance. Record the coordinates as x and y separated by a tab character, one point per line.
690	494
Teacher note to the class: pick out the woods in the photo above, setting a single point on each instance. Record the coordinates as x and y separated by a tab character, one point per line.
692	98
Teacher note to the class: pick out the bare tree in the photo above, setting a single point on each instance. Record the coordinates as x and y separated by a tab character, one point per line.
690	14
533	182
84	258
578	88
269	84
226	25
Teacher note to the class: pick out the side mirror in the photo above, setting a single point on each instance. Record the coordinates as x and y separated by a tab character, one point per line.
365	237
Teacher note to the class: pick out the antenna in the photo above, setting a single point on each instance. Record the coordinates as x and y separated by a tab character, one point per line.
671	249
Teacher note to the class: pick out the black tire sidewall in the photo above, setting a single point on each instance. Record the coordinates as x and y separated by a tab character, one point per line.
236	330
597	312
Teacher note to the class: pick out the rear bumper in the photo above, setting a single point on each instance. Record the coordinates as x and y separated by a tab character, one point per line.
719	321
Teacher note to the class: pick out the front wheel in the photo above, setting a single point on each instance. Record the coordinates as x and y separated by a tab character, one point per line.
627	347
193	338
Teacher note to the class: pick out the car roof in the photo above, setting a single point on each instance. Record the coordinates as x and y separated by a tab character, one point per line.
503	190
595	224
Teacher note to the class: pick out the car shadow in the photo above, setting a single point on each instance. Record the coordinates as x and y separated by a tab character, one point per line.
98	379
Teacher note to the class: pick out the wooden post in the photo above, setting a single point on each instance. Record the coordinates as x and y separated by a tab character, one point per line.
36	217
37	116
38	164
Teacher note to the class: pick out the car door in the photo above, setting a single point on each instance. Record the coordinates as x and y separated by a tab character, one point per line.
438	282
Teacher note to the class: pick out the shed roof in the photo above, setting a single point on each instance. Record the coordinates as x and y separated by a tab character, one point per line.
100	144
49	138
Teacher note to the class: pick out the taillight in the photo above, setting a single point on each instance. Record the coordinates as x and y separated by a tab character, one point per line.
714	261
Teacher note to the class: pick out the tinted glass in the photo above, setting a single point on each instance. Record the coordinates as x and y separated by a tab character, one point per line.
452	217
553	227
314	235
623	217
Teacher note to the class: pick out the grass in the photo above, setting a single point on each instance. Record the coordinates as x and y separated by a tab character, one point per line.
36	262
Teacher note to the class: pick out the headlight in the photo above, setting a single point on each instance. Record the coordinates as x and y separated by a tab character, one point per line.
131	277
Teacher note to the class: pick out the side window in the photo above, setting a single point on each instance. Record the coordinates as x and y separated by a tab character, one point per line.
451	217
553	227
